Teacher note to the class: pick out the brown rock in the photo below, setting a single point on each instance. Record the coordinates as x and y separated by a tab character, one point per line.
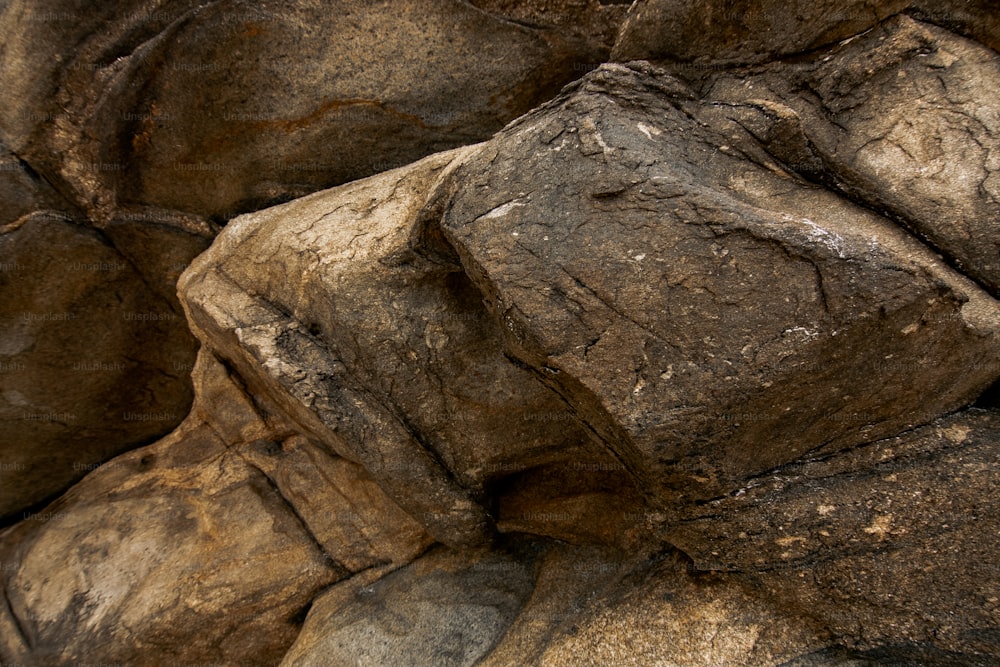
888	542
205	547
709	317
22	192
903	119
714	33
542	603
93	359
153	108
973	18
341	308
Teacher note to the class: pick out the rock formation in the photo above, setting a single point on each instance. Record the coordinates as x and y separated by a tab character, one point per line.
135	121
693	363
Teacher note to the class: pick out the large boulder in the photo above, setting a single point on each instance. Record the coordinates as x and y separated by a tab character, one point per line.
206	547
904	119
710	316
219	108
347	309
94	354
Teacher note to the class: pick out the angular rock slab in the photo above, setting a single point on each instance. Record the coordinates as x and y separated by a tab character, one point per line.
219	108
905	119
206	547
347	311
93	359
711	318
723	33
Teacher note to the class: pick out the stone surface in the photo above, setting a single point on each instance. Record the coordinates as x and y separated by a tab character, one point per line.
889	543
674	370
22	192
376	343
445	609
974	18
199	548
553	604
931	483
712	33
620	241
92	357
153	107
903	119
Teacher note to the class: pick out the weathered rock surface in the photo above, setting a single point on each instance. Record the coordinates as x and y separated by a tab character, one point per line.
146	103
93	355
903	119
675	369
138	113
202	547
621	242
894	538
974	18
714	33
22	192
377	344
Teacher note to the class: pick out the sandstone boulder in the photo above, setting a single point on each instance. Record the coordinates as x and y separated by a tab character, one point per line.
904	120
674	369
207	546
349	311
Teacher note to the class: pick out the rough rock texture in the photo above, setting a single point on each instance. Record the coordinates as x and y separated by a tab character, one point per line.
624	280
896	536
902	119
92	355
718	33
138	114
22	192
201	548
674	370
539	603
378	345
152	104
974	18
